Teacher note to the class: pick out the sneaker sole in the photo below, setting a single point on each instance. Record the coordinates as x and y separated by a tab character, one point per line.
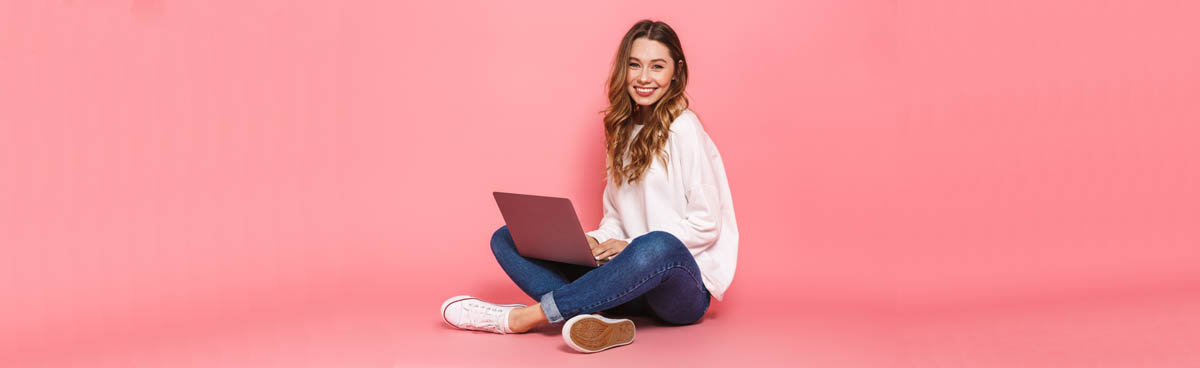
448	302
591	333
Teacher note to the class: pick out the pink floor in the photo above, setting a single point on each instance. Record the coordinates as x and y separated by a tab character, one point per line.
1098	330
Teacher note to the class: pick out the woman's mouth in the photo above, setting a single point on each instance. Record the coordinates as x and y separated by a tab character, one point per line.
644	91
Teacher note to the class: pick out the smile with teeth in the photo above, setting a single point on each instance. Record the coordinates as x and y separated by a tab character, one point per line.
644	89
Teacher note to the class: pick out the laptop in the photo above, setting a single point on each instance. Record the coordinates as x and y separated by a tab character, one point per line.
545	228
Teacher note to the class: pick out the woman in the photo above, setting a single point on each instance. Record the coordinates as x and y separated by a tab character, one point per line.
668	238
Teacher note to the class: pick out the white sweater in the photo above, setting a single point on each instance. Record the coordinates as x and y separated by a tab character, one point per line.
689	200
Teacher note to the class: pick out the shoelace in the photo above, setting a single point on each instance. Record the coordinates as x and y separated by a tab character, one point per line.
483	317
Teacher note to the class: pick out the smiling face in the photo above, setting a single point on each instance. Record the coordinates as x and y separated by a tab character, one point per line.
650	70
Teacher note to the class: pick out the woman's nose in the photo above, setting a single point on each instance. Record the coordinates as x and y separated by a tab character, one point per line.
643	76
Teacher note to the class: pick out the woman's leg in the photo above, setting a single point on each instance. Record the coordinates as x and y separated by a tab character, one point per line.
534	276
656	264
678	300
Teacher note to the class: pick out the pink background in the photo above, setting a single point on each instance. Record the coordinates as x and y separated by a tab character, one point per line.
301	183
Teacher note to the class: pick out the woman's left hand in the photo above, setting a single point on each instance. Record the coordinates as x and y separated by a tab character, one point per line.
609	249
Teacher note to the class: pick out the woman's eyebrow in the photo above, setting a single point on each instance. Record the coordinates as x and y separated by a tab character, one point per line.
636	59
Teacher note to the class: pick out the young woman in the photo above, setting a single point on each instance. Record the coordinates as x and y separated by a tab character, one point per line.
668	238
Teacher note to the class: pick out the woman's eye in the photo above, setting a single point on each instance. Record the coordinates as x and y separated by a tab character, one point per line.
633	65
658	67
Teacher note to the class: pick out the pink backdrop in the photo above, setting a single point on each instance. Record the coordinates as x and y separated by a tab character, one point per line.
178	176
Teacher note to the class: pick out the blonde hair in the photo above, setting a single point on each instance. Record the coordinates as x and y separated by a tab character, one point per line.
618	117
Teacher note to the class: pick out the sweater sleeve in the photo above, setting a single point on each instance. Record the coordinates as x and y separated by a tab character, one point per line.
610	225
701	225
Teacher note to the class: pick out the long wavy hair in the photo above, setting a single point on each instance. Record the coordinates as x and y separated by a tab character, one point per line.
656	119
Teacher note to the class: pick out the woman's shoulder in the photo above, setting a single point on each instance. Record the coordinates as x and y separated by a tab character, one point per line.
687	123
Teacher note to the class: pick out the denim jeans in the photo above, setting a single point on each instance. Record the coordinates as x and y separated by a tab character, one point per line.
655	275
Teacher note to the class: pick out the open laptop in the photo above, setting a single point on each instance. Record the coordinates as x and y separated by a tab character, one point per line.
545	228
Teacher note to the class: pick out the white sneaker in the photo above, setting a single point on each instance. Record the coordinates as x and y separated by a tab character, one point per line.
590	333
470	313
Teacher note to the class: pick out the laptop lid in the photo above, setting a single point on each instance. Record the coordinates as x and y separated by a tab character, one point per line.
545	228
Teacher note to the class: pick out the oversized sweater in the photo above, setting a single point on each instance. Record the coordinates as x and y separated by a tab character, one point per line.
689	199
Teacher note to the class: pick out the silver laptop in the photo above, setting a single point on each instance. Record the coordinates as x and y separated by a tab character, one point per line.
545	228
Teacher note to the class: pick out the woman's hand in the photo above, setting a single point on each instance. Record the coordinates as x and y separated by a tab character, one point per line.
605	251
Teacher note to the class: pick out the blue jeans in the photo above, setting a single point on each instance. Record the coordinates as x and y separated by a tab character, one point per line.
655	275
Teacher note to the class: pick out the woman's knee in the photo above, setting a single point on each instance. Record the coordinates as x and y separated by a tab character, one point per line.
682	317
660	243
687	320
655	247
502	240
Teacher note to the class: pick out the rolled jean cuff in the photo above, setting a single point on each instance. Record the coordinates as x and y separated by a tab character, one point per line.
550	308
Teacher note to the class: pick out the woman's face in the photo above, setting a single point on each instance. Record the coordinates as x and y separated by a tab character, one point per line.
650	70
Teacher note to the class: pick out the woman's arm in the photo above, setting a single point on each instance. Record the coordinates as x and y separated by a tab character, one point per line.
701	225
610	225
